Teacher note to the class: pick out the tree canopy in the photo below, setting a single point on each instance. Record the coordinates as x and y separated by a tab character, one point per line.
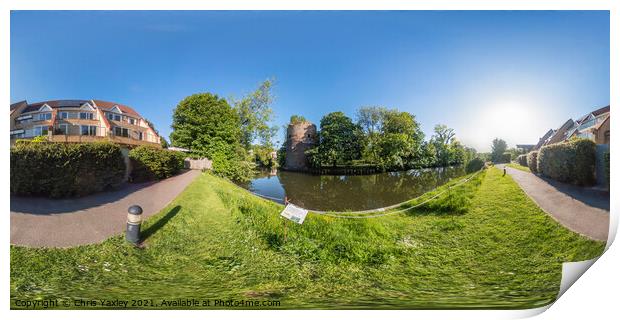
498	148
255	115
339	139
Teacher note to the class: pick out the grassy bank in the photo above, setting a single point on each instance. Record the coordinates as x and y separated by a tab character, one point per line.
484	244
518	167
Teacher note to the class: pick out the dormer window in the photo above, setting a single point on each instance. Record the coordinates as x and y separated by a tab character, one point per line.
115	117
43	116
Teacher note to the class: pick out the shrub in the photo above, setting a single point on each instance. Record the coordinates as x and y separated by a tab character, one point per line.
474	165
505	158
532	161
571	162
606	158
150	163
63	169
522	160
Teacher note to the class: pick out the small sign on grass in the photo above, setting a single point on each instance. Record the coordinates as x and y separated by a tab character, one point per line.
294	213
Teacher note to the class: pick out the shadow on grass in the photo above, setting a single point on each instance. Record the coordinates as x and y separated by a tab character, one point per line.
148	232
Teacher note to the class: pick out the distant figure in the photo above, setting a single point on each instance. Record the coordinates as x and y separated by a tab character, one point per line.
504	172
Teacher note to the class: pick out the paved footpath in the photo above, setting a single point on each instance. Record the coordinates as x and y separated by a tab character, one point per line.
582	210
42	222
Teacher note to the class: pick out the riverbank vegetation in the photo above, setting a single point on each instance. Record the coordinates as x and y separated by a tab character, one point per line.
388	139
483	245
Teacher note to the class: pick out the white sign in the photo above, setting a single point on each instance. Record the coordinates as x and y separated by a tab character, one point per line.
294	213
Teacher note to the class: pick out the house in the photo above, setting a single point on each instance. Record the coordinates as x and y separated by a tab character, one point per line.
594	126
81	121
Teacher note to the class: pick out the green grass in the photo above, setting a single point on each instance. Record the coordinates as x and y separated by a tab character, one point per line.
484	244
518	167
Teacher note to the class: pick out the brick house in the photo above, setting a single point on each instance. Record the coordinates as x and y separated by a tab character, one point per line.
80	121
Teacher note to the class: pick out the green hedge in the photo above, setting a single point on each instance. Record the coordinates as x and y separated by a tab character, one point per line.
532	161
65	169
571	162
522	160
606	157
151	163
474	165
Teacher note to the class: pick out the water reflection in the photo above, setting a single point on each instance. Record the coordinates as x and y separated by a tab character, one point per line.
350	192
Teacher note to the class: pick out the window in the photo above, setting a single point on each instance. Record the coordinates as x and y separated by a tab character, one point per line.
67	115
40	130
115	117
139	135
86	115
88	130
121	132
132	121
43	116
62	129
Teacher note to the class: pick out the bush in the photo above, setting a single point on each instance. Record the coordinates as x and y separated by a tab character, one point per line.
522	160
606	158
532	161
571	162
64	169
474	165
505	158
151	163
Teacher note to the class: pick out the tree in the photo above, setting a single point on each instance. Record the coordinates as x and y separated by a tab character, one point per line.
339	139
441	140
206	124
498	148
370	119
443	134
255	114
164	142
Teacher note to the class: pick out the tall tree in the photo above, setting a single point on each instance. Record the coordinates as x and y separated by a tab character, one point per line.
339	139
370	119
255	114
210	127
441	139
498	148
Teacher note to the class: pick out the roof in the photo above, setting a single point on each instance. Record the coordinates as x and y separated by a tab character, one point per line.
595	113
75	103
17	104
55	104
109	105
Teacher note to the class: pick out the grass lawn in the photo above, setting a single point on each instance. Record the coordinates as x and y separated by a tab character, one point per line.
518	167
483	245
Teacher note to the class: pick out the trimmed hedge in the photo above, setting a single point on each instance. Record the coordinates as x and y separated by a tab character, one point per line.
606	158
571	162
151	163
532	161
65	169
522	160
474	165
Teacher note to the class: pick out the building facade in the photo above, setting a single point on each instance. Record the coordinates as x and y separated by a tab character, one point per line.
81	121
594	126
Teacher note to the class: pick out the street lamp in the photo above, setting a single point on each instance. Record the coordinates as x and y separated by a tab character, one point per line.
134	220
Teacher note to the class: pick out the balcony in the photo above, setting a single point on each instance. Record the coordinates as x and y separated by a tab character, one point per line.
88	133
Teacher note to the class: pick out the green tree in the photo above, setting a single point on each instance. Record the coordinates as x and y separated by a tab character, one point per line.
206	124
498	148
441	139
164	143
339	139
255	115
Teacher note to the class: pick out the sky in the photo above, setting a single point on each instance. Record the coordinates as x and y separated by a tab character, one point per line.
486	74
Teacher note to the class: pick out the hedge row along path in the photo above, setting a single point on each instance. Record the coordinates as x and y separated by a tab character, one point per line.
42	222
582	210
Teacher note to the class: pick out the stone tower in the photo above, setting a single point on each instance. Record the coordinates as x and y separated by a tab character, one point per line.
300	137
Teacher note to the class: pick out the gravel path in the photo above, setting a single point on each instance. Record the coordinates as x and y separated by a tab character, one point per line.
42	222
582	210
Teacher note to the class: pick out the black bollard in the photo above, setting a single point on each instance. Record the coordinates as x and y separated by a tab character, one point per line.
134	221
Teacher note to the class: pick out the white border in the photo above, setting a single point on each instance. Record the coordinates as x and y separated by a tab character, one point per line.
592	296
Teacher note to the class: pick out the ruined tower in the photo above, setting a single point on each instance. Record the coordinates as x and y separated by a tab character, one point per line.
300	136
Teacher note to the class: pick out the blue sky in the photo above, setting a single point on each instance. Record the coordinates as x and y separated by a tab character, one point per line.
487	74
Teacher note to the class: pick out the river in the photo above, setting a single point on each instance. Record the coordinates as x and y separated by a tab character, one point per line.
358	192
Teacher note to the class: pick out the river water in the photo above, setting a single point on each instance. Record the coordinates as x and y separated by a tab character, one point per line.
358	192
